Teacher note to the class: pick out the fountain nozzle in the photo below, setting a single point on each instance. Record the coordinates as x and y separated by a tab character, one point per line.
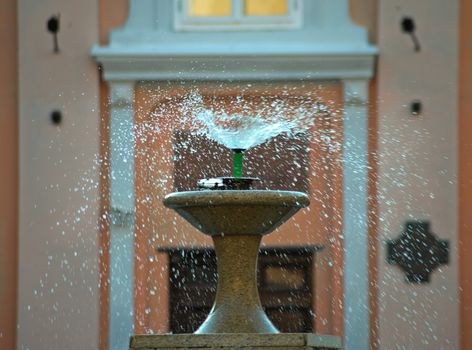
238	162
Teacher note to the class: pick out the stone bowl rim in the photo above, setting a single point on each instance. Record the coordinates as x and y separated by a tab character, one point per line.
202	198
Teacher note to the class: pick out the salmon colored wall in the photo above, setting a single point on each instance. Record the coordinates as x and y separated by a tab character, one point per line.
112	15
465	172
364	13
8	173
373	215
104	220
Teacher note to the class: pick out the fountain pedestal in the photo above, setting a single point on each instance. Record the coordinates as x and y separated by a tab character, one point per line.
236	220
237	307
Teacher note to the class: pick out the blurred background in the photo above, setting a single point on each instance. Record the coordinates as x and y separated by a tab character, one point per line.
93	136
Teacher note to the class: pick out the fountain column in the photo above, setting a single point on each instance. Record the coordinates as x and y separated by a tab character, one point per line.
237	307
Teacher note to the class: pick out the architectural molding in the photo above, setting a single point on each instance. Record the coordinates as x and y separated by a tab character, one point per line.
122	94
326	46
122	210
298	65
355	215
122	146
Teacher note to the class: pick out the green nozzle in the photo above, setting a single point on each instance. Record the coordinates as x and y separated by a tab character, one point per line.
238	163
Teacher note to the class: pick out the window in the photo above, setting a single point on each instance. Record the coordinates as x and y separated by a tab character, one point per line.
194	15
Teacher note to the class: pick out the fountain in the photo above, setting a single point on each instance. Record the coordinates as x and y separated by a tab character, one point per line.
237	217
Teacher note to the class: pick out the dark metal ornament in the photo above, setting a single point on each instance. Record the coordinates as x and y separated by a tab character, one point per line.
53	26
408	26
418	252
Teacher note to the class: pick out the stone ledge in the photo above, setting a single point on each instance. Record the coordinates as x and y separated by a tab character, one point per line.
286	341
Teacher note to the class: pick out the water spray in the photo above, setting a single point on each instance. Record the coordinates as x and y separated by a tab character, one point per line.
238	162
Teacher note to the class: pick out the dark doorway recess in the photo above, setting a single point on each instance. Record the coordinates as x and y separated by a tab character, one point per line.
284	280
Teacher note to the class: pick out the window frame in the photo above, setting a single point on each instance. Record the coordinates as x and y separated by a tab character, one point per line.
237	21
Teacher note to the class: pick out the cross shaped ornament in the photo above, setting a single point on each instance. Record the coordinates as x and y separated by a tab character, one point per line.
417	251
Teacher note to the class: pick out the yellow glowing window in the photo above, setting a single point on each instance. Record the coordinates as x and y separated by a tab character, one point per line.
210	8
265	7
207	15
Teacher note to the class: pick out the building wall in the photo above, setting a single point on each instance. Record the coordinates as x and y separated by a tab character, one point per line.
58	232
418	162
364	13
8	173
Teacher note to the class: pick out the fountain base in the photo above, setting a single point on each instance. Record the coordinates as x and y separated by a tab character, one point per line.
236	219
281	341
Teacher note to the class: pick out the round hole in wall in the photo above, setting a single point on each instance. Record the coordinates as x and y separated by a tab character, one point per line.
56	117
416	107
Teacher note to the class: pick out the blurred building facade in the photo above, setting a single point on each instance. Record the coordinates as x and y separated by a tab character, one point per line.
89	254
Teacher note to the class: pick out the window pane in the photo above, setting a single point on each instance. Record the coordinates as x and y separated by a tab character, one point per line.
209	8
265	7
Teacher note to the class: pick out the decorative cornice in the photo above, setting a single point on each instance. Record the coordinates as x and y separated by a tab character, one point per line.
326	46
129	65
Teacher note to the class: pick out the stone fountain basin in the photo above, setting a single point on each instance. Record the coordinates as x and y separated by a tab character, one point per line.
236	212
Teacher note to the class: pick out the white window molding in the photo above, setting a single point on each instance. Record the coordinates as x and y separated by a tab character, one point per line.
355	214
122	209
237	21
327	46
